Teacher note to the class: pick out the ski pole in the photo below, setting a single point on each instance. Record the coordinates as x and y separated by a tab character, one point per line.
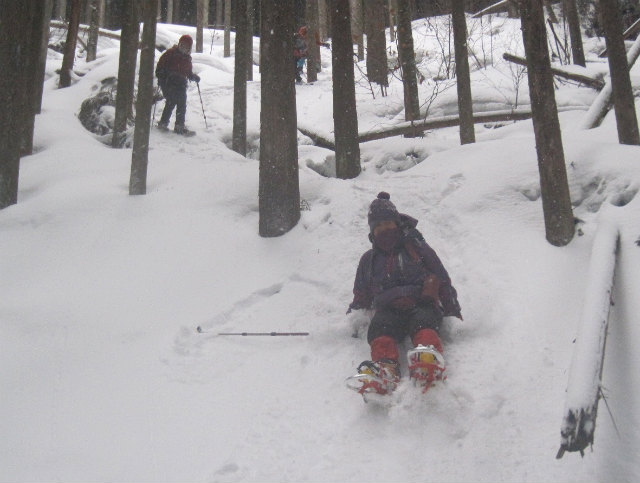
245	334
205	116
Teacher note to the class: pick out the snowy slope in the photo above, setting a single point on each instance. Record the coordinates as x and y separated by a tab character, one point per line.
104	377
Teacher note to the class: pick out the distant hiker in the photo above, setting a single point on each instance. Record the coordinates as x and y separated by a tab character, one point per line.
300	51
402	279
173	71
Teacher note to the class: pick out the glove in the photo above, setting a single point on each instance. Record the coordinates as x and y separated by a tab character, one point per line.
195	78
431	289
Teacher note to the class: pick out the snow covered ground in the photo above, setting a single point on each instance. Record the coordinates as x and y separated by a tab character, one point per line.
104	377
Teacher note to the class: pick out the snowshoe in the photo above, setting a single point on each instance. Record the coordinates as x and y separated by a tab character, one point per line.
426	366
183	131
380	378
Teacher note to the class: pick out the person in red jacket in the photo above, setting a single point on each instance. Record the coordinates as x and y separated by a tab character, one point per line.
173	70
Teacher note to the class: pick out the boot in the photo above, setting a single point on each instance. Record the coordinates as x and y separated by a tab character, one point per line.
426	366
379	377
182	130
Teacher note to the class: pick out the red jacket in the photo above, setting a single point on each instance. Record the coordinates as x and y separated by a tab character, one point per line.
174	62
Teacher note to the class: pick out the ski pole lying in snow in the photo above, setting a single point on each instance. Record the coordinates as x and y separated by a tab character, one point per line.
205	116
202	331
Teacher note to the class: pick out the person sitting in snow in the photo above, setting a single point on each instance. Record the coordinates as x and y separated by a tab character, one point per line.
300	51
402	279
173	70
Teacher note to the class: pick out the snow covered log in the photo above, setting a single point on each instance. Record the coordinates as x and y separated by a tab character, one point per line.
583	79
585	376
602	104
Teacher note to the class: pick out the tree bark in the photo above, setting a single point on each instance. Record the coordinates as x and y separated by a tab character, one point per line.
227	28
41	53
17	20
239	136
377	66
126	70
407	62
61	9
323	20
70	45
250	28
345	117
202	13
313	49
144	102
556	202
177	17
575	33
465	102
279	190
94	26
623	101
357	26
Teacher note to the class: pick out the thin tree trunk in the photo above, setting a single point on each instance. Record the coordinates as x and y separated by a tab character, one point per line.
202	14
556	202
313	49
323	20
61	9
239	136
407	62
250	27
279	188
94	24
465	103
393	17
177	17
345	117
42	55
70	45
357	26
571	14
144	103
219	13
377	66
126	71
623	100
227	28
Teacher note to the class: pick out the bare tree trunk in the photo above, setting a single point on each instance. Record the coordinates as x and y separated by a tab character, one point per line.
571	14
357	26
126	70
250	26
345	117
19	37
70	45
219	13
279	186
323	20
377	67
177	18
144	103
393	17
407	62
239	136
202	15
169	11
556	202
227	28
95	7
465	103
42	55
313	49
61	10
623	100
512	8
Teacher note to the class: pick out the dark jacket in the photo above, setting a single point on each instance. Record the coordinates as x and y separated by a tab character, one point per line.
174	68
384	277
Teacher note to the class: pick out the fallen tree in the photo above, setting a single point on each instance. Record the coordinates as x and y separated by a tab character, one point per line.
597	84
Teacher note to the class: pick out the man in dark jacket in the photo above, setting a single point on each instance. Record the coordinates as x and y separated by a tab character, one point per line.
173	71
300	51
405	282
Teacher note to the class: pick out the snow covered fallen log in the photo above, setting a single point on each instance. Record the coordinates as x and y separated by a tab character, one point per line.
585	376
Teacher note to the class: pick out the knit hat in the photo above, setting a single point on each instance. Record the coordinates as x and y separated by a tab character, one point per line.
186	39
381	209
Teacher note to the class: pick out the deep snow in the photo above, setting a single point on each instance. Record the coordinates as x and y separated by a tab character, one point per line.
104	377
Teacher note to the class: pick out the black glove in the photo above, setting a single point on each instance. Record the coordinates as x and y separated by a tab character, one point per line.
195	78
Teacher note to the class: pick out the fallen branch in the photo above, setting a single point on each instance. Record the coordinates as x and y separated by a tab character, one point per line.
583	79
630	32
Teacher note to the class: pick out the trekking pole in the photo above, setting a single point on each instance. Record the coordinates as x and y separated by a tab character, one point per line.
245	334
205	116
